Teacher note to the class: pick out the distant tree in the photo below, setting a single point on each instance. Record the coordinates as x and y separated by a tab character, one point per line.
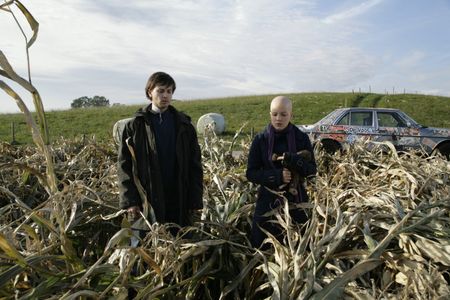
99	101
95	101
80	102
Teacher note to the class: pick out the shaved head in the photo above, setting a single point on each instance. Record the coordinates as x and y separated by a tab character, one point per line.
281	102
280	112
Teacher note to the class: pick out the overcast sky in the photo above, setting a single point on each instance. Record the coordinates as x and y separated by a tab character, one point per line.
218	48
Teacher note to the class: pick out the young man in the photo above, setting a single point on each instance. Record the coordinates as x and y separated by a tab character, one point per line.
285	141
167	158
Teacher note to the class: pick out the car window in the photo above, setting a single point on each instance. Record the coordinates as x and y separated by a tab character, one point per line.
390	119
361	118
343	120
358	118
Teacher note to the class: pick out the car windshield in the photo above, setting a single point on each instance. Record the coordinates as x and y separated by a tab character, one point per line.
410	120
330	117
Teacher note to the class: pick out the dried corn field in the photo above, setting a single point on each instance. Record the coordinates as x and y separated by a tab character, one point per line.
378	229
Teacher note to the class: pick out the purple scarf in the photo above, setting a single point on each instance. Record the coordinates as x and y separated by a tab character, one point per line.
291	146
290	139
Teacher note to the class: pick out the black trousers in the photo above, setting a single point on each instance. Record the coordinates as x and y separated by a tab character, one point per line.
271	225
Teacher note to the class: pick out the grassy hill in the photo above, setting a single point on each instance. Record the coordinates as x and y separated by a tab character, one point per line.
308	108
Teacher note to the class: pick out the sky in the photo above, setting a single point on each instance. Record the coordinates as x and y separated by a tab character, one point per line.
221	48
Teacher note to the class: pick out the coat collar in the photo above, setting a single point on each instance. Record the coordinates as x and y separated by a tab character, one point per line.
183	118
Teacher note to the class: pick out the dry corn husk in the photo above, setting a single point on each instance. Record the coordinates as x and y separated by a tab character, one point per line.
378	228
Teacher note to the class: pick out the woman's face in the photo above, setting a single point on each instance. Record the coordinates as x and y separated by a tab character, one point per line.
280	116
161	96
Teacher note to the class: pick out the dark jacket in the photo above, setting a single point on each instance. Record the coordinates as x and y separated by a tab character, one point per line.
269	174
188	182
261	171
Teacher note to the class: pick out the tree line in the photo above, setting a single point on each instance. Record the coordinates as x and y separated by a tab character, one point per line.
85	101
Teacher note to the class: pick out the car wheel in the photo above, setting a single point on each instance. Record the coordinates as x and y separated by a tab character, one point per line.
444	149
330	146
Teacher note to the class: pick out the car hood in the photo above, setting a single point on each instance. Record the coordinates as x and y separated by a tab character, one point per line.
436	131
306	128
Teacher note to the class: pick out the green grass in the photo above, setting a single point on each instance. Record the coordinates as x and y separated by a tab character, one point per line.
308	108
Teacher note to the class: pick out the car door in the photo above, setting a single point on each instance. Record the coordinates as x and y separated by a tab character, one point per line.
394	128
357	125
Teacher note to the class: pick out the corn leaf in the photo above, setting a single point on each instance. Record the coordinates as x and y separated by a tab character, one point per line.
31	21
11	251
336	288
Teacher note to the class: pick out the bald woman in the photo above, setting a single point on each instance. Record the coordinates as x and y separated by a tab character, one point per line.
279	139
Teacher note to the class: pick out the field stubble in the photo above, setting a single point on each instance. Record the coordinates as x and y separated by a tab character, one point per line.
378	229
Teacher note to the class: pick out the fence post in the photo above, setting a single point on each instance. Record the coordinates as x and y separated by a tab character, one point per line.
13	134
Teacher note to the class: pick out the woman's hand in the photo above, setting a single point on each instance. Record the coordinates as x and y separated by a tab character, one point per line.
287	176
134	213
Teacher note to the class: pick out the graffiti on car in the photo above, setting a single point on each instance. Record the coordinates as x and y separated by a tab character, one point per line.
348	125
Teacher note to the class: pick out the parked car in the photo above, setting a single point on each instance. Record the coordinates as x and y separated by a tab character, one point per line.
348	125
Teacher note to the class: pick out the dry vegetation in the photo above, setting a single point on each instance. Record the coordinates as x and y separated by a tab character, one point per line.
378	225
378	229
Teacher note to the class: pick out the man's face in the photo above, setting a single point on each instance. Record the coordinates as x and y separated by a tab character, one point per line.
161	96
280	116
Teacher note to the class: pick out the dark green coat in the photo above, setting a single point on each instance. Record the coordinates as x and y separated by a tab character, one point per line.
189	179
